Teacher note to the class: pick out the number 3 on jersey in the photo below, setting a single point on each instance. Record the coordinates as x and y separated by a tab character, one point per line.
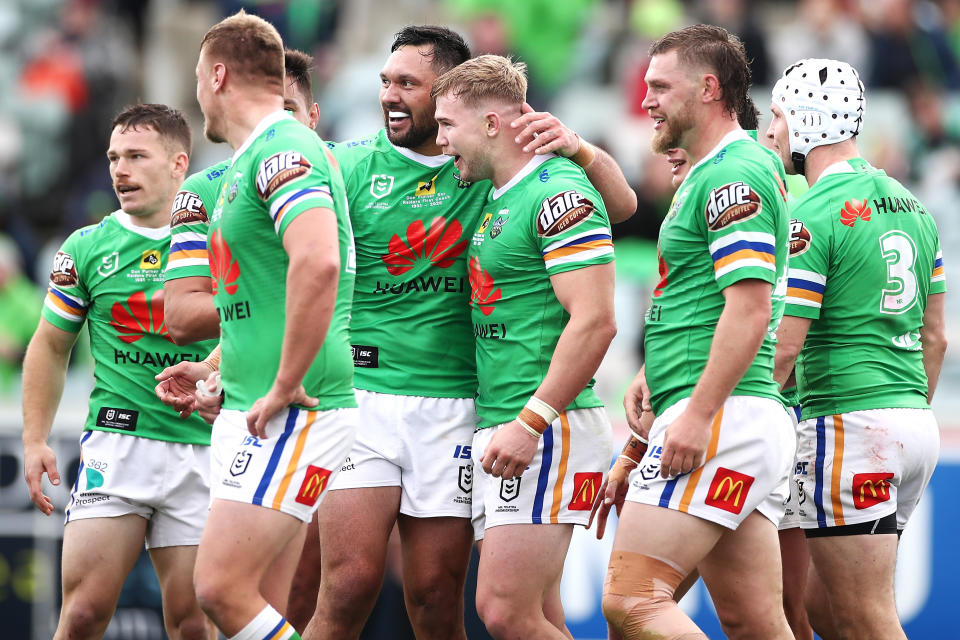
900	254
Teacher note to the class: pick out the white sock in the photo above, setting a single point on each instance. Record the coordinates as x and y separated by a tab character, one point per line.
267	625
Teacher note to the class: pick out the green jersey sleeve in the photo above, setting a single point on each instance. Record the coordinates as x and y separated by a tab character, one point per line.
190	222
291	181
573	231
807	270
938	278
68	298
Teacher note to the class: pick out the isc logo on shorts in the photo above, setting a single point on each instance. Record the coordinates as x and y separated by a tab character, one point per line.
729	490
870	489
313	485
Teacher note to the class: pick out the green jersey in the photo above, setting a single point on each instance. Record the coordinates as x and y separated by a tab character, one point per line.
281	171
111	275
546	220
189	222
728	222
864	256
412	216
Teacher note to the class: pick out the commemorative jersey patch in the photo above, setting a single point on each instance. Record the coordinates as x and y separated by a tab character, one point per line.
800	238
561	212
187	208
64	273
280	169
365	356
122	419
730	204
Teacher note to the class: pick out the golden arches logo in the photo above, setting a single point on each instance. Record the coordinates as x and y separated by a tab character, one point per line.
314	482
731	487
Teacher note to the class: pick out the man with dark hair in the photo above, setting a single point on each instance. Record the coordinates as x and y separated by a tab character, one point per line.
282	261
708	492
414	216
143	473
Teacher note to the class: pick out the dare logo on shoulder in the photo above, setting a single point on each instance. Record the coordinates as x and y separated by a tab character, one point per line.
188	207
563	211
800	237
280	169
64	273
731	203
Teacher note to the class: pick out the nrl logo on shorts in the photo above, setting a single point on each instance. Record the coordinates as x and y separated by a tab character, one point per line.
509	489
240	463
381	185
280	169
731	203
465	478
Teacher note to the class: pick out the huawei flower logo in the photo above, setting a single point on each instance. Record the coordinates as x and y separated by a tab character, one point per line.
139	317
482	293
223	268
440	244
852	210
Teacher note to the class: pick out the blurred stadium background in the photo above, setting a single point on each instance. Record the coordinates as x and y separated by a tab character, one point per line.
67	66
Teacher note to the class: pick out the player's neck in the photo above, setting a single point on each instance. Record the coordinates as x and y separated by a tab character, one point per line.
156	220
707	135
822	157
428	148
245	113
510	160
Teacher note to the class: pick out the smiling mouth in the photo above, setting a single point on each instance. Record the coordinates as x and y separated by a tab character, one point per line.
396	117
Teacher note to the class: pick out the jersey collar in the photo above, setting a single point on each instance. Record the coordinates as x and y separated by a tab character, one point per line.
125	221
733	136
527	169
843	166
419	158
267	121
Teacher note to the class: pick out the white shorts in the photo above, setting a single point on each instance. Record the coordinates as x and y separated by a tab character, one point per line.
287	471
560	484
863	465
421	445
163	482
791	514
748	462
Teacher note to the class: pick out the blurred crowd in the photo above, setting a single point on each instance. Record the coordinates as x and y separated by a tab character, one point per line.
67	66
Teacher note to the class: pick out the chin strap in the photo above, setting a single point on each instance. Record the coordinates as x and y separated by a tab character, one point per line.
798	163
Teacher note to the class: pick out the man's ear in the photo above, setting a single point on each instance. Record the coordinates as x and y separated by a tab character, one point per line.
492	124
710	89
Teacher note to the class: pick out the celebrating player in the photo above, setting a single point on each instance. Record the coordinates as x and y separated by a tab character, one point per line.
282	261
708	492
143	472
541	279
865	323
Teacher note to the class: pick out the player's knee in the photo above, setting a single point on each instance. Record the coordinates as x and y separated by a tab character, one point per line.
213	593
193	627
348	592
84	617
501	616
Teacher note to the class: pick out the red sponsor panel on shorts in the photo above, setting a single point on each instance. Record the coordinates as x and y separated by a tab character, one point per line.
728	490
870	489
585	489
313	485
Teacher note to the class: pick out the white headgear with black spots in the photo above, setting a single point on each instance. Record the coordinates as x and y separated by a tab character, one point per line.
822	102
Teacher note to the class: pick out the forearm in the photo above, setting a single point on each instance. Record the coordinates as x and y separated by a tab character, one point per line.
311	297
190	317
933	353
737	340
44	372
580	349
605	175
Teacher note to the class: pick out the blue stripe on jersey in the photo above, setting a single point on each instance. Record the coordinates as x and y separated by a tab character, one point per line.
821	455
275	456
70	302
576	241
740	245
668	492
546	460
273	631
76	483
938	263
797	410
190	245
809	285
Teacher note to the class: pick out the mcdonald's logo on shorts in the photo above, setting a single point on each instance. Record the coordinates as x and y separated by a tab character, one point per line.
729	490
313	485
870	489
585	489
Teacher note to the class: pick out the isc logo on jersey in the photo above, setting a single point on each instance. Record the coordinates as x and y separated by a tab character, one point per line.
188	207
800	238
561	212
731	203
280	169
64	272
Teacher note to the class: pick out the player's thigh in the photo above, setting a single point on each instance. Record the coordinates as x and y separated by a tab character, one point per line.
96	571
436	552
174	566
855	568
657	532
277	583
355	525
743	573
522	562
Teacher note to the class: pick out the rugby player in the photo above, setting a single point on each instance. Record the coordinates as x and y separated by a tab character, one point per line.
143	473
708	493
281	255
541	277
414	216
864	322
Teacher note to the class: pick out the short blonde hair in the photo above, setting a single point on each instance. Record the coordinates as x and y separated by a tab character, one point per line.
482	78
248	44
